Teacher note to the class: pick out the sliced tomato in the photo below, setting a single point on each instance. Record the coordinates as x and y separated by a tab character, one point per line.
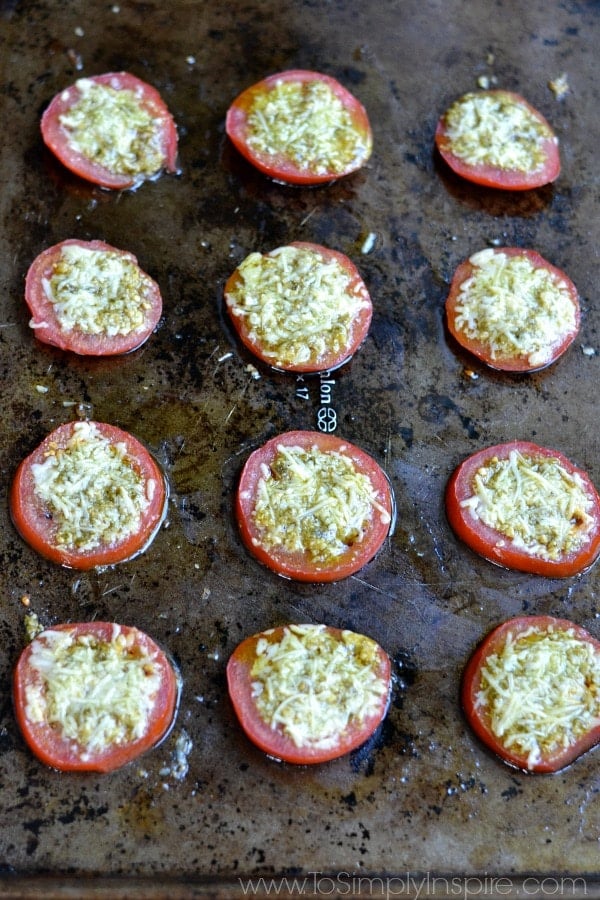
502	134
51	328
351	547
482	715
51	661
305	155
274	737
514	552
159	132
480	337
84	528
303	345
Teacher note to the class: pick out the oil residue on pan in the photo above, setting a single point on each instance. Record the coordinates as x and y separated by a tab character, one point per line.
422	795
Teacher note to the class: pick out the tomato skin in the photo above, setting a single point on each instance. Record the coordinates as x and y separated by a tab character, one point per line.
476	715
492	176
485	540
333	360
42	310
481	350
56	137
62	754
273	741
280	167
30	518
298	566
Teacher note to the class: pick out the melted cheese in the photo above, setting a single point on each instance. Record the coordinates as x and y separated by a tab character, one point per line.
541	691
110	126
95	693
97	292
514	308
314	502
534	502
314	686
307	124
492	129
296	306
91	489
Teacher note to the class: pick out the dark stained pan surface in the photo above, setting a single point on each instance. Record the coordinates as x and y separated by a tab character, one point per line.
423	796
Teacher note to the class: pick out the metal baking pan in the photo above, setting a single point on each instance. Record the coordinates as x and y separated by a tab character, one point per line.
423	797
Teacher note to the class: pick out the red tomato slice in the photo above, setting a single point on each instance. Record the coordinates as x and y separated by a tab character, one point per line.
283	161
307	556
33	696
275	739
495	545
51	329
479	715
158	131
503	133
65	532
327	351
480	339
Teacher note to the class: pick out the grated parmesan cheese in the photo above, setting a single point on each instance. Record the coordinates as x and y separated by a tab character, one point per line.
95	693
314	686
296	306
534	503
514	307
541	691
91	490
314	502
307	123
111	127
97	291
492	129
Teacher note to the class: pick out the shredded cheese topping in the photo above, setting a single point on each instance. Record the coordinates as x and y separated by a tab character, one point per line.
296	306
308	124
514	308
94	494
541	690
315	503
534	502
314	686
492	129
97	292
111	127
95	693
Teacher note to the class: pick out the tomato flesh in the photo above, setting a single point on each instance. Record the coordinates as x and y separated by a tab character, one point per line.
298	564
477	713
64	753
47	325
274	740
482	347
278	164
495	546
57	138
35	520
503	177
332	357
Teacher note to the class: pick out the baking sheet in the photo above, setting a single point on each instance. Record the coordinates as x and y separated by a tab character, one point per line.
423	798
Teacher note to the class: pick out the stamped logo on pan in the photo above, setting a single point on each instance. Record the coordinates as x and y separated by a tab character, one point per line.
326	414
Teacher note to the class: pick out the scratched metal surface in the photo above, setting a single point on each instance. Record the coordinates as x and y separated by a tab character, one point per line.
423	795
